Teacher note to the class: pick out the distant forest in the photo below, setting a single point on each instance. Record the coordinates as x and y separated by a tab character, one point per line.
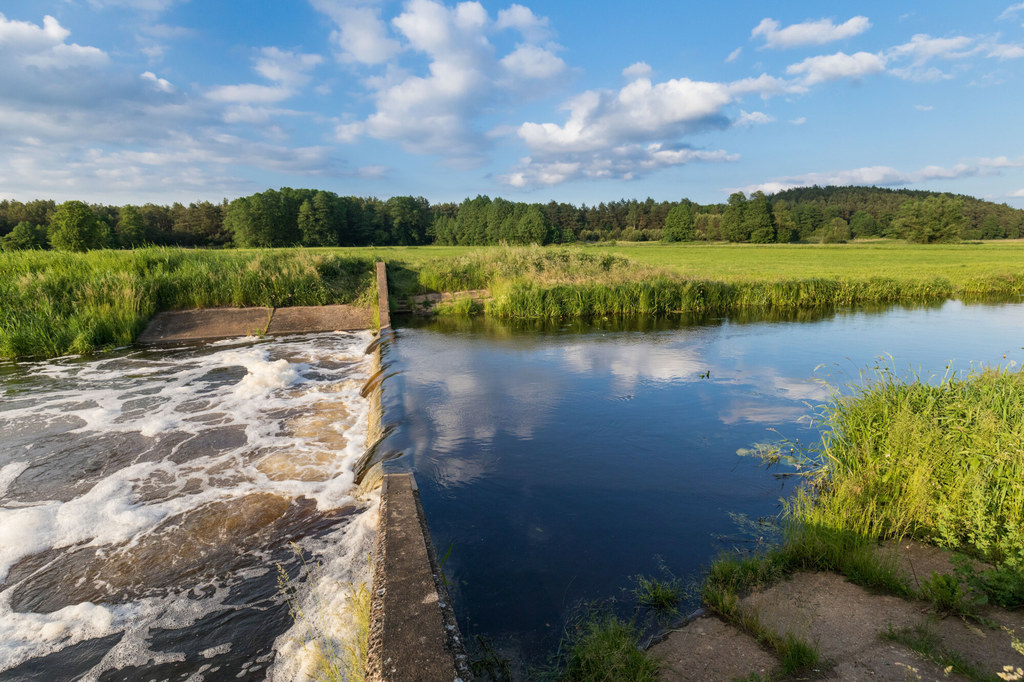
309	217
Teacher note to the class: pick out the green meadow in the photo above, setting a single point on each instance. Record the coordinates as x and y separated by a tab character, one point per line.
54	303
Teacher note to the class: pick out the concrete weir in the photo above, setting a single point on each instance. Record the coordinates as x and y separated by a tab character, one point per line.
413	632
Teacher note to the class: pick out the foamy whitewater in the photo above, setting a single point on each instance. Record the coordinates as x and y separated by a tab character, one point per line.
148	497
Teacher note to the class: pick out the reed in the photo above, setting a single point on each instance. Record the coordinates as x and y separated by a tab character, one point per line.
53	304
942	462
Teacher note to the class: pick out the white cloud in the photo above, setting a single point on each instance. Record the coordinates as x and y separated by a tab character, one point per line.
436	112
361	34
887	176
1010	11
289	71
1018	193
922	49
640	111
160	84
923	107
753	118
532	62
249	93
825	68
734	55
623	162
287	68
799	121
1002	51
535	29
44	47
637	70
817	32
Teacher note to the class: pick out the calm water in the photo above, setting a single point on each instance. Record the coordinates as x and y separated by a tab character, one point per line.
555	462
148	497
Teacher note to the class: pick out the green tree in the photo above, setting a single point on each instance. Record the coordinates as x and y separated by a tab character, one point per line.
24	236
785	224
74	227
131	228
863	224
757	217
409	218
836	231
934	219
734	224
680	224
534	227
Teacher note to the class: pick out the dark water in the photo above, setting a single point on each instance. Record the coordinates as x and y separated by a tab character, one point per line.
558	461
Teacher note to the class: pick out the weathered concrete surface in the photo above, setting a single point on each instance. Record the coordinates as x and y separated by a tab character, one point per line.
382	296
845	623
413	635
325	318
180	326
695	653
424	304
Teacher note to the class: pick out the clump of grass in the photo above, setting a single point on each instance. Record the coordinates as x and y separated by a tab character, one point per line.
603	648
942	463
661	595
54	303
333	662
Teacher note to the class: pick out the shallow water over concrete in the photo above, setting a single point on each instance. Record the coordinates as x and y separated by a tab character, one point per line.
556	461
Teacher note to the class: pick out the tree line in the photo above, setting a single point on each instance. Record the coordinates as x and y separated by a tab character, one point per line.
310	217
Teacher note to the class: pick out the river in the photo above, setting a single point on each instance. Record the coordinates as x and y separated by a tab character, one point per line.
148	497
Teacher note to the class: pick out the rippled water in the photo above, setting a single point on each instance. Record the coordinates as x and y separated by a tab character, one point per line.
147	498
556	462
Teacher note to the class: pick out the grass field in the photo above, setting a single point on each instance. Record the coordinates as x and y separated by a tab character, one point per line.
58	303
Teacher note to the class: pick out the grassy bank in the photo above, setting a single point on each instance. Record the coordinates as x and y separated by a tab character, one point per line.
57	303
943	464
53	304
535	283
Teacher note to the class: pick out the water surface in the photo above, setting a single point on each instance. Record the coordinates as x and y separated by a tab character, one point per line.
557	461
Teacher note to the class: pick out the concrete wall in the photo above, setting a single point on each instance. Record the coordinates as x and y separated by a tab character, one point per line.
413	632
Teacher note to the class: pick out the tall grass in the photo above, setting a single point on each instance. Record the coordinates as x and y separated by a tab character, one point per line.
943	463
538	283
53	304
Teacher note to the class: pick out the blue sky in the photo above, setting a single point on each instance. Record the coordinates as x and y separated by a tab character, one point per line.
130	101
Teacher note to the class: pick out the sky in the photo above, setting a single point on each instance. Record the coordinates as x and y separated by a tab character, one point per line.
136	101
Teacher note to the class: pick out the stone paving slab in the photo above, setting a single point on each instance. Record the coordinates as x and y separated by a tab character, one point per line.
180	326
326	318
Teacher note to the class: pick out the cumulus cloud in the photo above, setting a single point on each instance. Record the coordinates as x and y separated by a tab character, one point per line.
817	32
637	70
1018	193
887	176
437	111
753	118
45	47
362	35
535	29
825	68
159	83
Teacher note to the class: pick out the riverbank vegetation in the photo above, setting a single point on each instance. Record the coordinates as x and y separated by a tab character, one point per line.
53	304
311	217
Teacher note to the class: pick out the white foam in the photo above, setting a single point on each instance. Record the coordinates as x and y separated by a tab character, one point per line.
164	401
9	473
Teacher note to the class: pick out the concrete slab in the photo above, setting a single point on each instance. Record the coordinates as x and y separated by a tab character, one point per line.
382	295
326	318
180	326
413	635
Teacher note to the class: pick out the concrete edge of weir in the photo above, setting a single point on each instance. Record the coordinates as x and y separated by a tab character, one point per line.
413	631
